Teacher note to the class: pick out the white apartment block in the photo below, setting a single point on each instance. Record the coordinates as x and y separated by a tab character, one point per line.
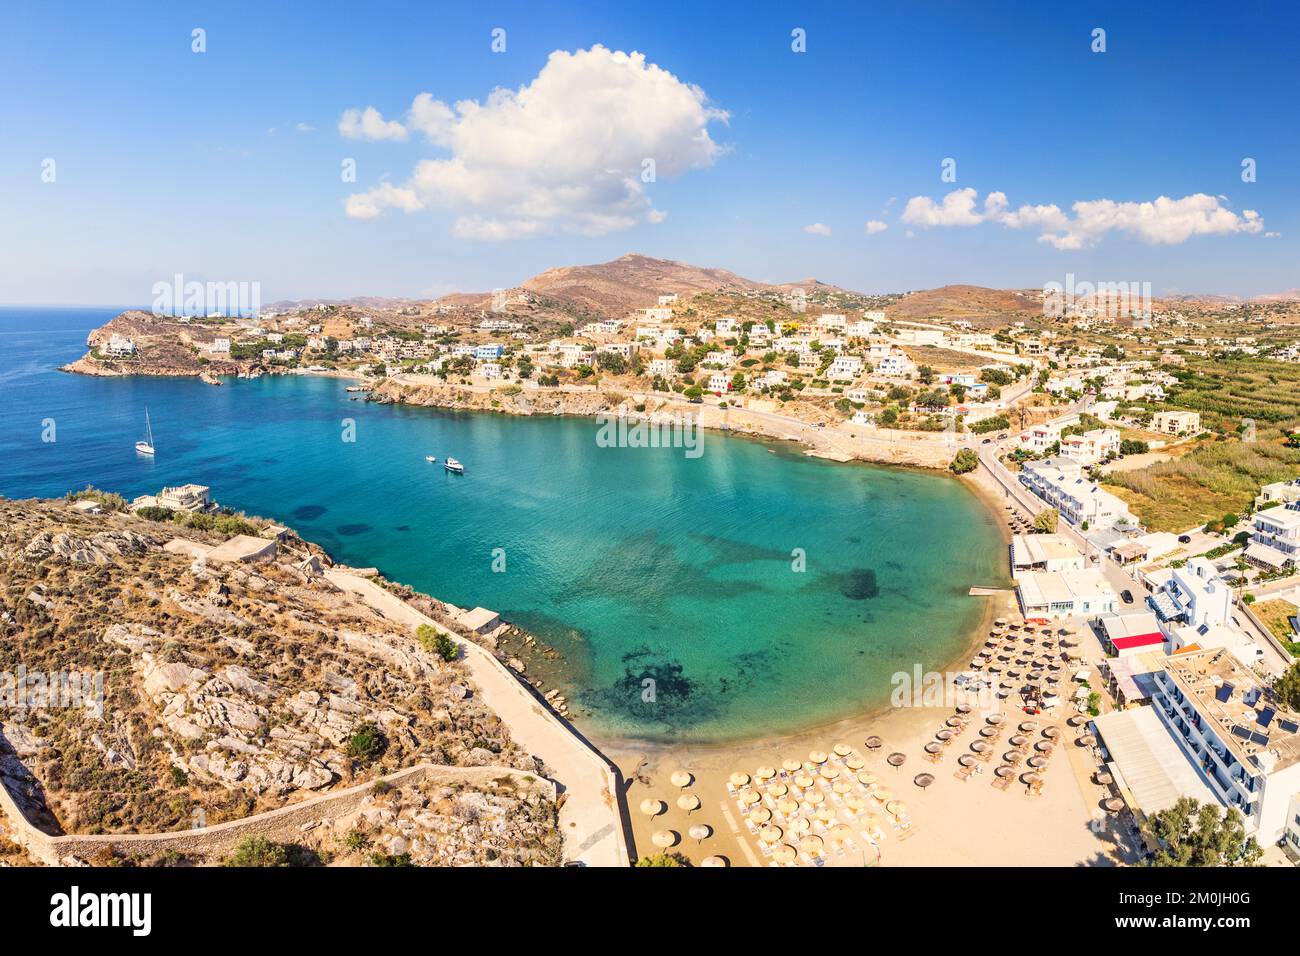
1194	595
1092	446
1061	484
1275	542
846	367
118	345
1176	423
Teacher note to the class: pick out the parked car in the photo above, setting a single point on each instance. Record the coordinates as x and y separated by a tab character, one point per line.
1127	596
1184	539
986	441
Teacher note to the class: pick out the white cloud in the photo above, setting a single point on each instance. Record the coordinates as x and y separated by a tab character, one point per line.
563	153
817	229
304	127
1163	221
369	124
875	225
1272	235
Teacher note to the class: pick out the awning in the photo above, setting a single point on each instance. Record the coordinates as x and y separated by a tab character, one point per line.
1137	640
1266	554
1165	605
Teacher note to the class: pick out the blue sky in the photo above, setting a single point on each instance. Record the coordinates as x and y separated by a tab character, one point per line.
166	163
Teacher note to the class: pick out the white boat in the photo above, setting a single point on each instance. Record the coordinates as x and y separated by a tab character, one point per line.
453	466
430	458
146	447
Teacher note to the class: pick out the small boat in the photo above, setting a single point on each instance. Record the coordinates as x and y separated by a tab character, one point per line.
430	458
453	466
146	447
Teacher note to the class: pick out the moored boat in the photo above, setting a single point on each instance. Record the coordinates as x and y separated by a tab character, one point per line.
453	466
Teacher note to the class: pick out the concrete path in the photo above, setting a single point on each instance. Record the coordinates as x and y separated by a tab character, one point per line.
590	819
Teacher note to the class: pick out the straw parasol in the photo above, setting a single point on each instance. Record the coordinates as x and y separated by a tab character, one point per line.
963	708
814	798
1037	762
884	794
817	756
749	798
700	832
981	746
855	802
873	743
1114	804
665	838
811	844
995	719
771	834
855	763
800	825
897	759
988	731
1004	771
966	760
1051	733
787	807
1026	726
1044	746
681	779
842	749
1078	720
739	779
1087	740
765	773
953	722
867	778
842	787
804	781
1104	778
841	832
791	766
923	780
652	808
830	773
778	790
1031	778
688	802
714	861
933	748
785	853
760	815
942	735
896	807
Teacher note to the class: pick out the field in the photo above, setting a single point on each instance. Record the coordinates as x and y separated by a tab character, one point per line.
1239	399
1274	615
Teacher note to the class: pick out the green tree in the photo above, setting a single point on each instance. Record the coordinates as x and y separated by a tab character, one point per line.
663	859
367	744
260	852
1045	520
1287	687
964	461
1190	834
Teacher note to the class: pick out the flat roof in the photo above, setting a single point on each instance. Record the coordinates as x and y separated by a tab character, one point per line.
1054	587
1152	763
1282	517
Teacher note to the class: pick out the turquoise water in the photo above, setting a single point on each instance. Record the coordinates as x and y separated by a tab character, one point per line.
633	563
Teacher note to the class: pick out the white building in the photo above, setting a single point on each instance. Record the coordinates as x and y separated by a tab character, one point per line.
1058	594
1275	543
1176	423
1286	492
1092	446
719	382
896	365
1044	552
1194	595
118	345
1061	484
845	367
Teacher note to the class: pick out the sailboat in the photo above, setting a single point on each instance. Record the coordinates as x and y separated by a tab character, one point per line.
146	447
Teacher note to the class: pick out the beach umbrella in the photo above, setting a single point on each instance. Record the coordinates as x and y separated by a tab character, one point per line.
896	807
827	815
1004	771
811	844
988	731
804	781
739	779
714	861
953	722
874	743
765	773
1031	778
941	735
884	794
1007	684
1044	746
1087	740
681	779
1037	762
665	838
1019	740
1000	622
801	824
1051	733
996	719
1077	720
933	748
1104	778
814	798
749	798
1114	804
842	749
830	773
1012	756
966	760
841	832
817	756
778	790
855	763
897	759
791	766
787	807
771	834
923	780
785	853
700	832
688	802
867	778
981	746
963	708
652	808
855	802
760	815
1026	726
842	787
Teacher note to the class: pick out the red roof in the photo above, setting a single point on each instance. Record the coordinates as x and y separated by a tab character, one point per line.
1137	640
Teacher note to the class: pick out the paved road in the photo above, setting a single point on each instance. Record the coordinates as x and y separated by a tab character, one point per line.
591	819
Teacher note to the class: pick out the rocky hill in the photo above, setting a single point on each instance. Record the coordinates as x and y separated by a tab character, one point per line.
971	303
209	692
